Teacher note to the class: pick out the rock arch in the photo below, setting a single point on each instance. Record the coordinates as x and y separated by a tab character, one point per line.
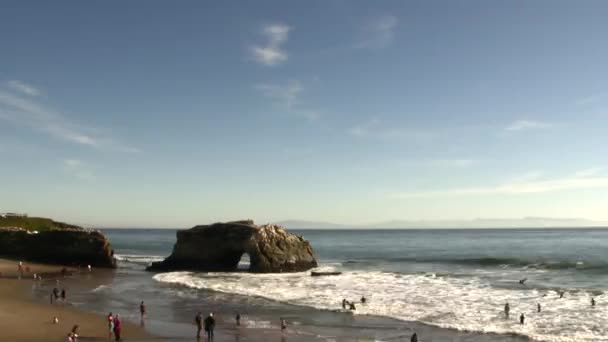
218	247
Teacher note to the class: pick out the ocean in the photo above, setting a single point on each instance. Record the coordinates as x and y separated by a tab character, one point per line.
447	285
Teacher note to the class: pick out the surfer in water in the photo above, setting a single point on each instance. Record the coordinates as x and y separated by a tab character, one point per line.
561	294
363	299
352	306
523	281
521	319
592	301
414	338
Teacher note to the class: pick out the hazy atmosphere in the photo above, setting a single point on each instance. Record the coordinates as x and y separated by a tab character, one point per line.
165	114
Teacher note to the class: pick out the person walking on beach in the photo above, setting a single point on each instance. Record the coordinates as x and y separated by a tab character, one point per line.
142	310
414	338
110	326
507	309
522	319
198	319
75	332
238	319
117	328
209	326
55	293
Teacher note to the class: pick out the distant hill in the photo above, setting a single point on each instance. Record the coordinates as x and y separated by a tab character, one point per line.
479	223
300	224
32	223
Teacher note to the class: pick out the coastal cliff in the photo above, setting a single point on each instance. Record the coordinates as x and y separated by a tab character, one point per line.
46	241
219	247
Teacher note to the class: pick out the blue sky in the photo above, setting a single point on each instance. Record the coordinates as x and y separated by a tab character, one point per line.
171	114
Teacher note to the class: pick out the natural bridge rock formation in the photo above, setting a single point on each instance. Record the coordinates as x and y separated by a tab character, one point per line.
219	247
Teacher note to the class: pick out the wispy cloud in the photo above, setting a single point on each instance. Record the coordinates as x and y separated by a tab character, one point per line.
522	125
580	180
287	97
589	172
71	162
27	112
77	169
375	129
451	163
23	88
271	53
378	33
284	94
589	100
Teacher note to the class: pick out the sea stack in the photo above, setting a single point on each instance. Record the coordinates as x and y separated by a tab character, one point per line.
218	247
46	241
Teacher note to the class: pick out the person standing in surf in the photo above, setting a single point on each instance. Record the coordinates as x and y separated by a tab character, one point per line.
209	326
522	318
110	326
198	319
414	338
507	309
537	307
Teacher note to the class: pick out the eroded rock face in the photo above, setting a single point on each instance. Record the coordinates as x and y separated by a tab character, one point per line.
65	246
219	247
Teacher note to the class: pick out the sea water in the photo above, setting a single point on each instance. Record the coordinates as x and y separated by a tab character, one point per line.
453	279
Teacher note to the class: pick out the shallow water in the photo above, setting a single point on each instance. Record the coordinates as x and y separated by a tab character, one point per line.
456	279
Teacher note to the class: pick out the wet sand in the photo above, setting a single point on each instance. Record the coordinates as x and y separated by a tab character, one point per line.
22	318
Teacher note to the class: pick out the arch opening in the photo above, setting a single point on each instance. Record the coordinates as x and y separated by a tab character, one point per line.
244	264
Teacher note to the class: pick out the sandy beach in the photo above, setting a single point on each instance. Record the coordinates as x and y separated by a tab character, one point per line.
22	318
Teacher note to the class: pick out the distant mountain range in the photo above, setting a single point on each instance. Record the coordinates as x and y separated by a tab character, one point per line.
526	222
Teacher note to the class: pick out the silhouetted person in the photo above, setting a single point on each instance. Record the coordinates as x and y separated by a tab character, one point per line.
352	306
198	319
363	299
537	307
592	301
522	318
117	327
209	324
283	324
507	309
414	338
523	281
238	319
63	295
142	309
344	302
561	294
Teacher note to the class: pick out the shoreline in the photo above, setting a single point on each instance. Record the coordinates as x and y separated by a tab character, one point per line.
24	318
86	308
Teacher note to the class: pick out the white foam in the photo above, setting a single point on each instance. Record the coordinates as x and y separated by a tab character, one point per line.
458	303
138	259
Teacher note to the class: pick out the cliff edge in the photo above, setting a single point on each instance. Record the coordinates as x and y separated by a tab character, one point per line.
47	241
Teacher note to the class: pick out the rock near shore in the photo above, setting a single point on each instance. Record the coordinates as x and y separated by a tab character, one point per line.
219	247
64	246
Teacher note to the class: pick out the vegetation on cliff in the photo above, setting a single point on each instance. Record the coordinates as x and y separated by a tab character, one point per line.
33	223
